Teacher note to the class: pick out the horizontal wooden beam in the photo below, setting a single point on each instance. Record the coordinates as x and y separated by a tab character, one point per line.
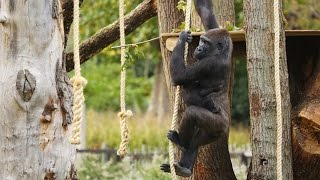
237	36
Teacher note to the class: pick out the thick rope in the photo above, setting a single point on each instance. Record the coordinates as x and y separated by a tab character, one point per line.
77	80
277	86
123	114
177	94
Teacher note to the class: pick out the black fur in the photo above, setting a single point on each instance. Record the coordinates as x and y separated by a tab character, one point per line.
204	87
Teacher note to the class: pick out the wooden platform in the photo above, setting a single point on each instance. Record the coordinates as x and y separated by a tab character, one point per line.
238	37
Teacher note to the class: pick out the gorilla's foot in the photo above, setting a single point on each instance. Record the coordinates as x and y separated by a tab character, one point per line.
173	136
180	170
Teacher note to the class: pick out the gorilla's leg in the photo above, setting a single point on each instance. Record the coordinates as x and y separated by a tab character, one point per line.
211	125
182	168
205	11
173	136
188	158
186	131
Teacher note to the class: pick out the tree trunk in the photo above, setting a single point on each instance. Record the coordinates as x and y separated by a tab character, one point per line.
225	12
35	93
213	161
304	73
260	66
159	107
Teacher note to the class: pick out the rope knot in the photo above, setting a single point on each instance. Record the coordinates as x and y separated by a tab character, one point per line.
78	81
125	114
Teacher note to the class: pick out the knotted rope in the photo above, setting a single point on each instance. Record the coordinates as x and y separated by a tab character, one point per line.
77	80
277	86
123	114
177	94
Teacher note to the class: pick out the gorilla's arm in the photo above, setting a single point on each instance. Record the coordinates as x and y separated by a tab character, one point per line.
182	75
178	68
204	9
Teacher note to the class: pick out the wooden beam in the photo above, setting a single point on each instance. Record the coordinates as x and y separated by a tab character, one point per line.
170	39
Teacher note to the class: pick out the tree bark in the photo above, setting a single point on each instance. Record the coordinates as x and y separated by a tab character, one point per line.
260	66
35	93
304	73
225	12
213	161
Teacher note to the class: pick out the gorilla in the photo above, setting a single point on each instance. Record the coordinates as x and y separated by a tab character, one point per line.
204	89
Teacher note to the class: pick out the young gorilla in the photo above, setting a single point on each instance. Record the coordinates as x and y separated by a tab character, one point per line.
204	85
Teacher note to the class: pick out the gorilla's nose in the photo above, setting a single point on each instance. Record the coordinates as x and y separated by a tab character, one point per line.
199	49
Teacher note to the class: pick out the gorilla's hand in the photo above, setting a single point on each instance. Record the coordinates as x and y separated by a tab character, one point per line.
185	36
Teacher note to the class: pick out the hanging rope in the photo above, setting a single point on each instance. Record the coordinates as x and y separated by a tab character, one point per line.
177	94
277	86
123	114
77	80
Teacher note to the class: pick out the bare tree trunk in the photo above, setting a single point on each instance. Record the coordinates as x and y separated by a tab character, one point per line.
225	12
260	65
213	161
35	93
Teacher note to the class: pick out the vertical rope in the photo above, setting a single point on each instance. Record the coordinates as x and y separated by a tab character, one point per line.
123	114
177	94
77	80
278	86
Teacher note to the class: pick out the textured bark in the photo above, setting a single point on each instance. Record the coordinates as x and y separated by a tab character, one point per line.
33	142
260	66
304	73
67	10
213	161
104	37
225	12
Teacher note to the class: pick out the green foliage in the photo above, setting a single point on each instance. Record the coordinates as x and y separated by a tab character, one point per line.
103	129
240	104
182	6
239	12
302	14
145	133
94	168
239	135
103	70
102	91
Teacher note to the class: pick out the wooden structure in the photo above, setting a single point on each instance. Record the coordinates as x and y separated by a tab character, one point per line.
303	57
238	38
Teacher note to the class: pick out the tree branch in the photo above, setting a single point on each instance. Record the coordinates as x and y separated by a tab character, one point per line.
67	11
107	35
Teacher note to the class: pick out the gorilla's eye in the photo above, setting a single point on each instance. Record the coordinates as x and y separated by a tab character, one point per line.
220	45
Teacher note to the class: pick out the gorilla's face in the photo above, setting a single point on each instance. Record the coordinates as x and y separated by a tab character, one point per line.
203	48
214	43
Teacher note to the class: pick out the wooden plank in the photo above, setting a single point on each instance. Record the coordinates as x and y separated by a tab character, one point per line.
237	36
302	32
